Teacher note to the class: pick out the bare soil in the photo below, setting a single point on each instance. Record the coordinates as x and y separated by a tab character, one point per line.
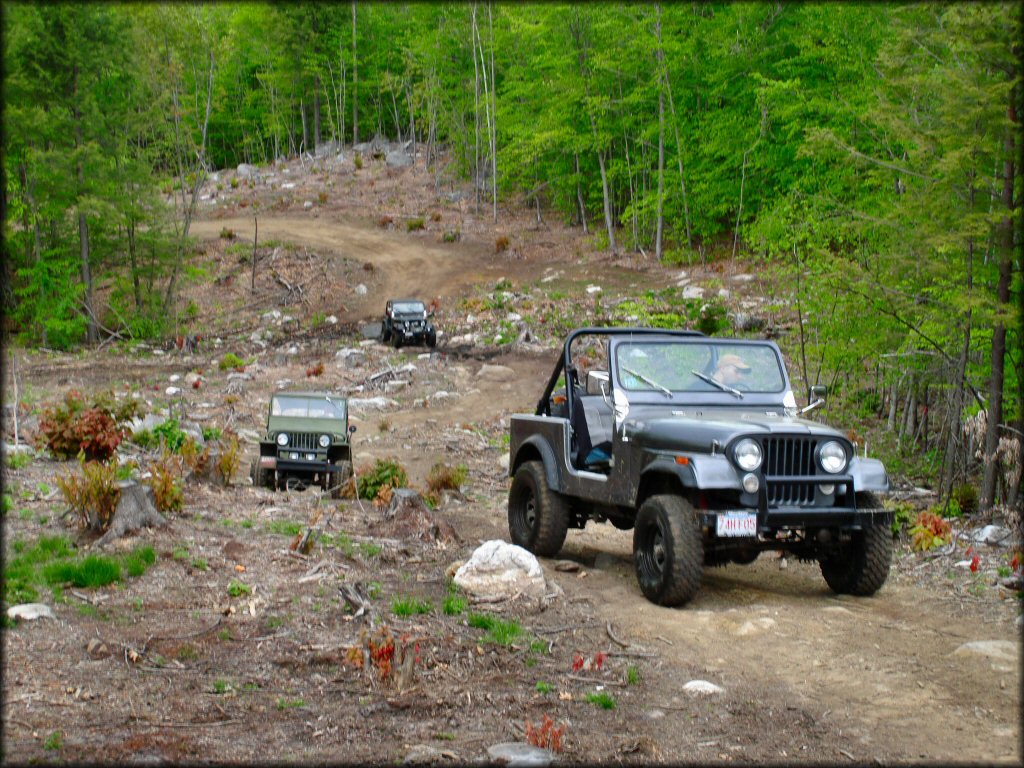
184	670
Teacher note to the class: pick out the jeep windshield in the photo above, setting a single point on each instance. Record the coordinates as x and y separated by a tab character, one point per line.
306	407
409	308
670	366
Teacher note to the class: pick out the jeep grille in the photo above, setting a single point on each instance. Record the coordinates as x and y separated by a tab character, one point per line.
789	457
301	441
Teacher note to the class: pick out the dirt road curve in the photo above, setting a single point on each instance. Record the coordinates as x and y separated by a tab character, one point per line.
896	674
404	264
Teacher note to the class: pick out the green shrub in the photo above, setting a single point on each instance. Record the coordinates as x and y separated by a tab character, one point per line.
966	497
231	361
93	495
18	459
138	560
454	605
412	225
385	473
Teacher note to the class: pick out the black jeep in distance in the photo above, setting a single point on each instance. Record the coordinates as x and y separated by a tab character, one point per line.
407	321
696	444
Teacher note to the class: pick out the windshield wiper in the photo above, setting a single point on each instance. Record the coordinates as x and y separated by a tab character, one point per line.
645	380
720	385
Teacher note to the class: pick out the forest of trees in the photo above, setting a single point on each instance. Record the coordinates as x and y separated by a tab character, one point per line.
870	152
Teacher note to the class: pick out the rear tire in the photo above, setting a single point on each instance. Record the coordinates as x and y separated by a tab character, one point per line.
667	550
538	518
257	473
861	567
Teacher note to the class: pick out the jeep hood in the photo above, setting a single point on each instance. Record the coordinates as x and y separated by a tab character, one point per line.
696	429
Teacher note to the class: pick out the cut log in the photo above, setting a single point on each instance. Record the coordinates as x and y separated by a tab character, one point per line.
135	509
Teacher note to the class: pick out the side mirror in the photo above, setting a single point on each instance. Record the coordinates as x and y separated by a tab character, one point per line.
816	397
352	429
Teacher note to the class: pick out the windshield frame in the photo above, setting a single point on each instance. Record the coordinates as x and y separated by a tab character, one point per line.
707	351
280	400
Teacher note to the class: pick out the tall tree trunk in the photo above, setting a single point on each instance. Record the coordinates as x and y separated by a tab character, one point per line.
679	157
316	112
579	194
476	112
305	127
494	120
997	375
946	479
355	82
92	329
659	57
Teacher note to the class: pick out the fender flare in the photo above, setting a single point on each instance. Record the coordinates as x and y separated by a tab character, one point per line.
547	457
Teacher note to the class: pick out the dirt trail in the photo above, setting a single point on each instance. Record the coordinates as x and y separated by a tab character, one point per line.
808	676
855	667
404	264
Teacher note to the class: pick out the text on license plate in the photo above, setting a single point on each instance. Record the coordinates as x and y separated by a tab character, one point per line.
737	524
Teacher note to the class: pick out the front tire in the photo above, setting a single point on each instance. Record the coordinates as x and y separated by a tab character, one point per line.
538	518
257	473
431	338
337	480
667	550
861	567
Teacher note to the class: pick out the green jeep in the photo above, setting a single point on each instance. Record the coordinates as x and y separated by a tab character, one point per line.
307	442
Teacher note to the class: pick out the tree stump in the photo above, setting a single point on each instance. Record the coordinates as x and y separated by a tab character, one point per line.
135	509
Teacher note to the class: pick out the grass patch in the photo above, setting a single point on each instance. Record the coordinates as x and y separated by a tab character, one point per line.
409	606
239	588
604	700
544	688
499	632
290	703
632	675
283	527
454	605
17	459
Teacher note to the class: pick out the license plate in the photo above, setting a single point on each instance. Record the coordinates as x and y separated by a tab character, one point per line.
737	524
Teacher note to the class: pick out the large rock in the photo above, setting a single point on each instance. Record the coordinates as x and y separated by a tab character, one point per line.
517	753
489	372
398	159
371	403
499	570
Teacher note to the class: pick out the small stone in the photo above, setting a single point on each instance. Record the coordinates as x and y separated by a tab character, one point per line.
518	753
172	391
308	205
30	612
593	289
174	377
702	688
97	649
361	290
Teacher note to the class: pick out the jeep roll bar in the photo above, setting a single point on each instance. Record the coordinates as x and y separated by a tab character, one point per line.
564	363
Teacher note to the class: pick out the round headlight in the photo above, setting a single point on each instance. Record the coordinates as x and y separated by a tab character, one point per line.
748	454
282	439
832	457
325	440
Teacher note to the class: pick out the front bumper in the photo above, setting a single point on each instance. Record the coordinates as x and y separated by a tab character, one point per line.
288	464
773	516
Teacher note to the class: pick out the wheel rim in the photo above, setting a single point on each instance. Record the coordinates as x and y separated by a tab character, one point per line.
525	514
653	554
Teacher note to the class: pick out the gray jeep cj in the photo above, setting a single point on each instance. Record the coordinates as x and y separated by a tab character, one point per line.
696	444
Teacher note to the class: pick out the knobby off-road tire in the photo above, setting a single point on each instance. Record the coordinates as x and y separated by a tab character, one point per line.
337	480
396	340
862	567
667	550
538	518
432	339
258	474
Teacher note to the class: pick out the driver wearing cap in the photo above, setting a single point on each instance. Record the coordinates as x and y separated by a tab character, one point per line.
731	369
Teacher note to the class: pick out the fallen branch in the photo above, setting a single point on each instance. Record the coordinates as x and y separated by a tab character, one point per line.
614	639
